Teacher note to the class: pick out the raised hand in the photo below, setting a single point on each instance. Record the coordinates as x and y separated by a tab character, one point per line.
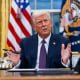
13	56
65	53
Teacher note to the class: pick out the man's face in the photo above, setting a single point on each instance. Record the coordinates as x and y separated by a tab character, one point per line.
43	25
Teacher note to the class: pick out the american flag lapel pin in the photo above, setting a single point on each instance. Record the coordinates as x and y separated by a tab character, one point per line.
54	43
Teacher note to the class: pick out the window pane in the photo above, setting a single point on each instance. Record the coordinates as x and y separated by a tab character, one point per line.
31	4
57	4
55	22
43	4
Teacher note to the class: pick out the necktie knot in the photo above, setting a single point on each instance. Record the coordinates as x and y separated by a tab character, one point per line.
43	41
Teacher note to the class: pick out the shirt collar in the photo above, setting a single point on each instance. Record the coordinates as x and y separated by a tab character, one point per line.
46	39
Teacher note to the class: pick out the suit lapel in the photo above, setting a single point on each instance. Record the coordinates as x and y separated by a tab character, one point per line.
51	50
35	47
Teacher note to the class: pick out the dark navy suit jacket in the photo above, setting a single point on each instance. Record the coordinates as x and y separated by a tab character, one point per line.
29	49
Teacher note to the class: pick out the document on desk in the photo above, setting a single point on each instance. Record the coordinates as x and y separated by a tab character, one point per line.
21	70
36	70
44	71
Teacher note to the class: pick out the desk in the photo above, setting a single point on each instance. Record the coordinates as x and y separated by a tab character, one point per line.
4	75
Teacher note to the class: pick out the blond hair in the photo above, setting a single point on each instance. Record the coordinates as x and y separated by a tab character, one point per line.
38	13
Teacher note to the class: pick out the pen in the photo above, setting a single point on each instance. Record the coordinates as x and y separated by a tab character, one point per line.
11	51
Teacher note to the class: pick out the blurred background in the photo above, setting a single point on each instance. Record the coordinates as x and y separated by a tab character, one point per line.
54	6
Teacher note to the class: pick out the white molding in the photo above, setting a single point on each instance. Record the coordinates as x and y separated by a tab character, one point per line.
50	10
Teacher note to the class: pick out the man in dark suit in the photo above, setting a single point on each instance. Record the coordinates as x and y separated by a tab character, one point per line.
56	50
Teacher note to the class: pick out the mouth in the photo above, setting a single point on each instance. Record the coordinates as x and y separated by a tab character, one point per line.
45	29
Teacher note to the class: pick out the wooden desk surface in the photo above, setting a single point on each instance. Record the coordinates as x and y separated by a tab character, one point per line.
4	75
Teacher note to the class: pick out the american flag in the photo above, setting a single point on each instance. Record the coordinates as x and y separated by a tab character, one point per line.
19	24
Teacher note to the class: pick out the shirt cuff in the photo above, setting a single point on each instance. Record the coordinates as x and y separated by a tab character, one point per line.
66	65
17	66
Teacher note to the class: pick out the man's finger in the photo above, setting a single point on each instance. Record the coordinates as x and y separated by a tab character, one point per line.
69	45
11	48
62	49
63	46
19	50
9	55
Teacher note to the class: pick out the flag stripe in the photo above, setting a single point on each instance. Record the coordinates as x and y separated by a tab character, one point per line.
28	10
14	6
14	15
26	23
12	40
25	31
10	44
14	33
28	16
17	21
16	27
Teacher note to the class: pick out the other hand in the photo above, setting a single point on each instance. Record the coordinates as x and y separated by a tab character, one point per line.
13	56
65	53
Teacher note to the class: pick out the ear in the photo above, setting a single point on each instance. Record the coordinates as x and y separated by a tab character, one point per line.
51	23
33	26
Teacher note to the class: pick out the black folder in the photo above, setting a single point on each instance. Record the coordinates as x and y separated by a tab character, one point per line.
77	68
49	71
